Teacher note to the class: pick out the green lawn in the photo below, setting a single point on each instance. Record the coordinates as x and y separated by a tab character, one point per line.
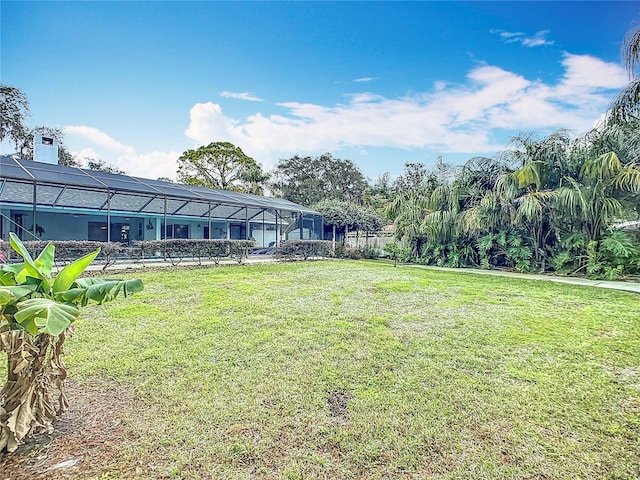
346	370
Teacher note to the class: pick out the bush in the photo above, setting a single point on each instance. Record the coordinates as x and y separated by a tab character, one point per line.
290	249
398	253
177	249
369	252
68	250
617	254
348	252
505	248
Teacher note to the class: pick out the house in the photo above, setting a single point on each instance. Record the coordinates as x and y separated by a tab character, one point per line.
45	201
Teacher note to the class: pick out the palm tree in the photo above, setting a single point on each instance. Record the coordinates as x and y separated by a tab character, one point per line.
411	204
531	187
604	191
626	105
482	209
442	221
407	211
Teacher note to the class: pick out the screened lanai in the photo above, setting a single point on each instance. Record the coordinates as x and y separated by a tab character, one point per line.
54	202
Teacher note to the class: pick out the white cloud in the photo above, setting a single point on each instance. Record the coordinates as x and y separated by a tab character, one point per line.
585	71
537	40
202	128
363	79
150	165
508	35
249	96
84	153
450	118
88	142
97	137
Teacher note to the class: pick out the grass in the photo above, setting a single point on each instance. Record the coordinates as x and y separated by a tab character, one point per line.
362	370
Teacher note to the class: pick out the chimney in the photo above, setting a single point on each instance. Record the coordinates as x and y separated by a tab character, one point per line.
45	149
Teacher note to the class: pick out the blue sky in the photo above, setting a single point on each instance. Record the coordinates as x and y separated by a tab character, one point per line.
380	83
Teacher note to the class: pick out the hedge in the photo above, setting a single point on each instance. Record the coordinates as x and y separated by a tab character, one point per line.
69	250
173	250
290	249
176	250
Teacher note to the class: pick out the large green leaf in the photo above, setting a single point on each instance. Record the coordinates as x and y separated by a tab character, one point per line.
64	280
103	290
6	297
11	294
73	295
19	247
38	315
7	278
29	267
44	262
14	268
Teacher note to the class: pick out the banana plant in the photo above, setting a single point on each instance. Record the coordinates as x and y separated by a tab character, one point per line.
37	311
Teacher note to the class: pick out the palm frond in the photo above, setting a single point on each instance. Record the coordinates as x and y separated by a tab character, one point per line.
531	206
602	168
611	208
625	107
570	197
631	50
507	187
628	178
529	175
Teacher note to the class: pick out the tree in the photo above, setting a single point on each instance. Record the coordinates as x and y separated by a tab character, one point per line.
309	180
483	210
296	180
335	214
378	194
416	177
14	108
599	195
531	187
221	165
344	215
36	311
411	204
102	166
626	105
25	145
254	179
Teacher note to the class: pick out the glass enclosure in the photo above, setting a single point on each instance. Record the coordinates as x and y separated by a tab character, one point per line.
54	202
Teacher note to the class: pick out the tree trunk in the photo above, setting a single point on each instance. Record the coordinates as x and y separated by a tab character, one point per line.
334	239
36	374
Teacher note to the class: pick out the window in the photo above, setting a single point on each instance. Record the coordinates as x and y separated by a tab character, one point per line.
174	231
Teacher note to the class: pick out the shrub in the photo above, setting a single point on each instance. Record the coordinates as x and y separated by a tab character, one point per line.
67	250
348	252
290	249
505	248
369	252
175	250
617	254
397	252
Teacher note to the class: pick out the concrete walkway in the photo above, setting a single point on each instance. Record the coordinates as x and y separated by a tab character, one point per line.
614	285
